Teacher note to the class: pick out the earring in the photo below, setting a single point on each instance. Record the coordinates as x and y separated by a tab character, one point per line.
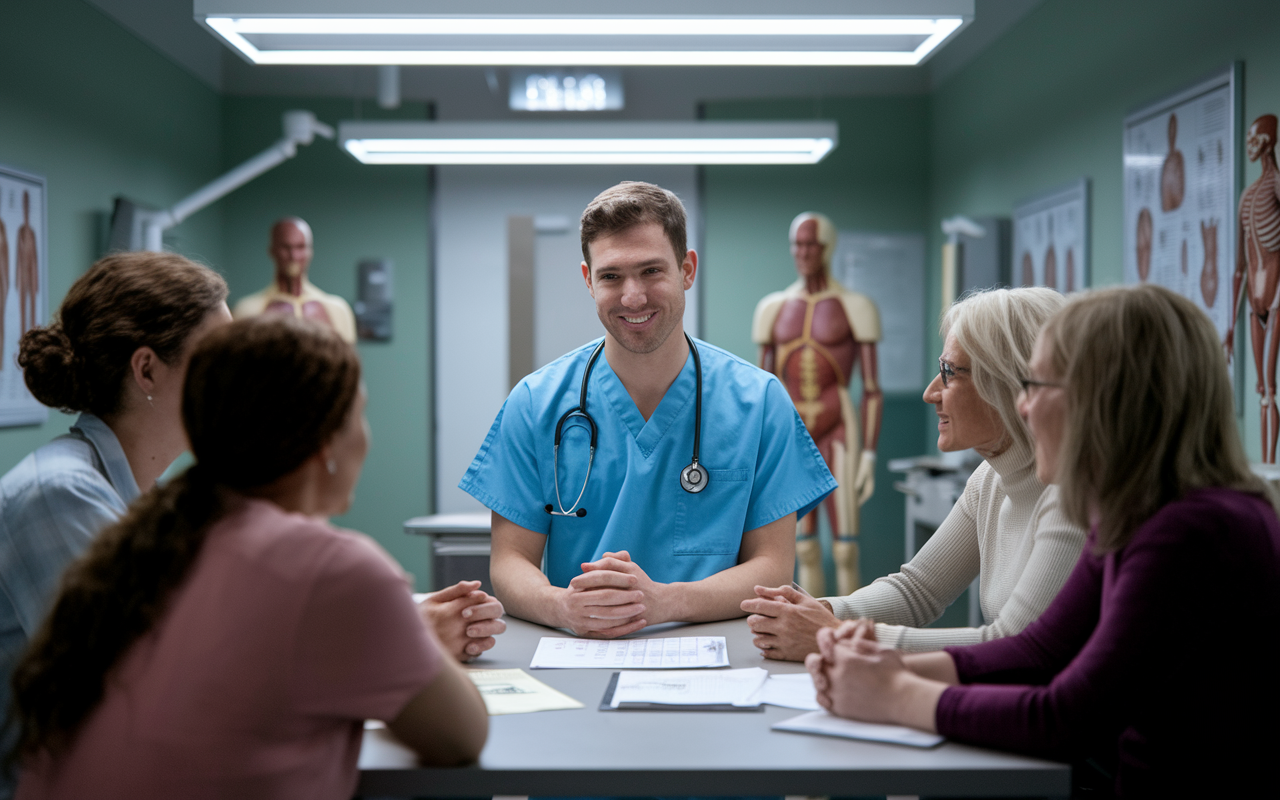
153	405
332	466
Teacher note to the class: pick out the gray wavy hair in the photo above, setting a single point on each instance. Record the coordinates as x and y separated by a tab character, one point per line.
997	328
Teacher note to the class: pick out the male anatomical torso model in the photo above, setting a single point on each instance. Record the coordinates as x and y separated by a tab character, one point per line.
812	335
1258	273
291	292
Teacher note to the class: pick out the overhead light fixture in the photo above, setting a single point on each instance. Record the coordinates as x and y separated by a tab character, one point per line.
588	142
575	32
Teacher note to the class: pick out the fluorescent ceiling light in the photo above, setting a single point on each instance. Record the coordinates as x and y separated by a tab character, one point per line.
588	142
576	33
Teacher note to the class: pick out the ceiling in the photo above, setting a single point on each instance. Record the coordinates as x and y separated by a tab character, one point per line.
474	93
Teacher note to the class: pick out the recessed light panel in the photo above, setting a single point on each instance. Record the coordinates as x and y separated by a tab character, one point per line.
588	143
571	32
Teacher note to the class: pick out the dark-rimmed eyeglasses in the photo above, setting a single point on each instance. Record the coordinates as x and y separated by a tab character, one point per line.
948	370
1028	385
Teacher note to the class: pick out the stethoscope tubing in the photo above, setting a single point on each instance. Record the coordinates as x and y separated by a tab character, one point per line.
693	478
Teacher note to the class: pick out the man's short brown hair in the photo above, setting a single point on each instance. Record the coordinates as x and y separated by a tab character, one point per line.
632	203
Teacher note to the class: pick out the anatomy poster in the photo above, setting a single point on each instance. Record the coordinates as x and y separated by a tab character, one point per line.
1180	192
23	287
1051	239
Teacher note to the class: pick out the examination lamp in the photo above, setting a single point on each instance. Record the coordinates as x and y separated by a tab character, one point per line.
588	142
576	32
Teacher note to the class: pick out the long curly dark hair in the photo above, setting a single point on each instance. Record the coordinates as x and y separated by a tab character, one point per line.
261	397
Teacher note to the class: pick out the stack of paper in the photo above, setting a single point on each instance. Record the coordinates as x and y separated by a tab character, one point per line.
682	652
789	691
728	688
824	724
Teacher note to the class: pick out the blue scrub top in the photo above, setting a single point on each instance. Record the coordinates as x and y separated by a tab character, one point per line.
762	464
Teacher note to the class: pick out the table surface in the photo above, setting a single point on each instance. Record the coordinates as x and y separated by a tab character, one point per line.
667	753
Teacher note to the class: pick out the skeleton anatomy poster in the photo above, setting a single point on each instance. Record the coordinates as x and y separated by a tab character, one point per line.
1051	239
23	287
1180	168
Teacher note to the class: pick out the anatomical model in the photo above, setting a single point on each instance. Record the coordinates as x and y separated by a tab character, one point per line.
812	335
291	292
1257	273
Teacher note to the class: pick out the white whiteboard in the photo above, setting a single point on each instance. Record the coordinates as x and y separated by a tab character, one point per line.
889	268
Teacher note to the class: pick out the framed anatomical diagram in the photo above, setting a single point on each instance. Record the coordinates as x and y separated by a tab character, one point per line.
1051	239
23	287
1181	171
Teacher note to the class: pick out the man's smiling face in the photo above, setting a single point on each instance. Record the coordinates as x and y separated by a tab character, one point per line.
638	285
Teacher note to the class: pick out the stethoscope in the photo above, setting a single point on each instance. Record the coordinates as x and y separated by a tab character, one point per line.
693	478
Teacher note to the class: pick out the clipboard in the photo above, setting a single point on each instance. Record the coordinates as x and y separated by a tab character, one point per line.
606	703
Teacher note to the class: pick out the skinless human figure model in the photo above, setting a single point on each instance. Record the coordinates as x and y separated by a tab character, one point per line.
1209	275
1258	271
28	268
1173	183
291	292
812	335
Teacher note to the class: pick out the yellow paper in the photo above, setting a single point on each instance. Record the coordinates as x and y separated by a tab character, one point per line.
514	691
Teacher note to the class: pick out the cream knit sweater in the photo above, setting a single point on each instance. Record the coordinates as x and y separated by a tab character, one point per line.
1007	528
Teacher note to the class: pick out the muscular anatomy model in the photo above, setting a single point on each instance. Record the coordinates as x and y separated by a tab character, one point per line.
1173	184
291	292
28	268
1146	232
1258	271
812	335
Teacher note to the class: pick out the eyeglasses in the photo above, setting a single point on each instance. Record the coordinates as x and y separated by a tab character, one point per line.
948	370
1028	385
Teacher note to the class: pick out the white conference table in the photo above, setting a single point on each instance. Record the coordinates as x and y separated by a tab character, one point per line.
678	753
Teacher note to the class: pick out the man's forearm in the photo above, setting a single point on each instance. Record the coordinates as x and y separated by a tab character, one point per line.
720	596
525	592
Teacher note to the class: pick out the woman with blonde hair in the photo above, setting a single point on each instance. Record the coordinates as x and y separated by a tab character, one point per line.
1008	529
1125	673
222	639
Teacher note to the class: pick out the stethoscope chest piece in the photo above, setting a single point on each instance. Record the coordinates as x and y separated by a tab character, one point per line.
693	478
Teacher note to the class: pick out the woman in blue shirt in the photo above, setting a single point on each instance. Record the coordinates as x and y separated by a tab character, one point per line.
117	355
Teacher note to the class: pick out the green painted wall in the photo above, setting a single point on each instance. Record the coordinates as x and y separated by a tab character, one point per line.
1045	104
356	212
876	180
98	113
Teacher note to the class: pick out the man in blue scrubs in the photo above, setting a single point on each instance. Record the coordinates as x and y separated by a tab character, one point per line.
645	551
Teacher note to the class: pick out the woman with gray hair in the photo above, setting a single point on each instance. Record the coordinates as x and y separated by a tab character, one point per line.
1008	529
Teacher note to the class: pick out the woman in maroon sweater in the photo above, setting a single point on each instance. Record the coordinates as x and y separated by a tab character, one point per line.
1152	671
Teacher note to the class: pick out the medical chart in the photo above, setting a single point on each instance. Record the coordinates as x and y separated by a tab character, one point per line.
675	652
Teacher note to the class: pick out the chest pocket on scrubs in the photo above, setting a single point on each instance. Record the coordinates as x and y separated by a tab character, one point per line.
710	522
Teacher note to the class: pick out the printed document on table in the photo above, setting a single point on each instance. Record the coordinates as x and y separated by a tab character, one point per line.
731	687
789	691
824	724
675	652
514	691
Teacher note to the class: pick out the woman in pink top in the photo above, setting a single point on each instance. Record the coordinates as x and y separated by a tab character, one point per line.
223	640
